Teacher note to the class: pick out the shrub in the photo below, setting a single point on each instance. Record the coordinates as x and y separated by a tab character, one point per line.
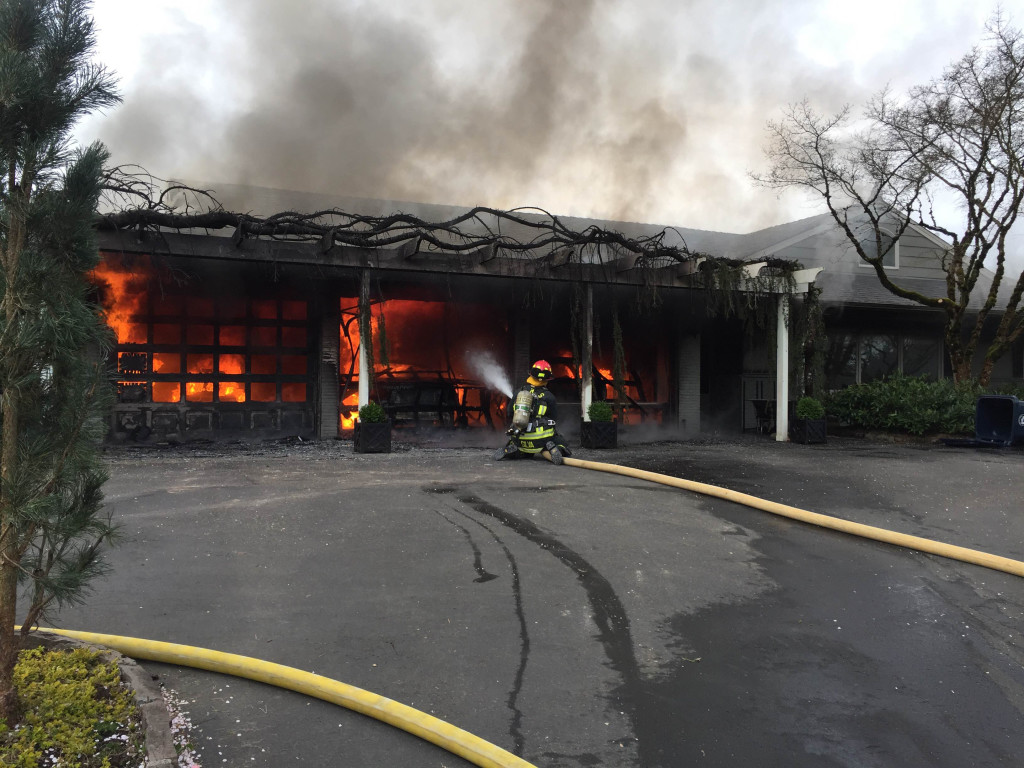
77	713
914	405
809	408
599	410
1017	390
373	413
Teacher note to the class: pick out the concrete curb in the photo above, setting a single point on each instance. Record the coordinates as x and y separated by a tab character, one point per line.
156	721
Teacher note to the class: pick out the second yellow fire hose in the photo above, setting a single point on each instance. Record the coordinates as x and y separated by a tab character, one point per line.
1005	564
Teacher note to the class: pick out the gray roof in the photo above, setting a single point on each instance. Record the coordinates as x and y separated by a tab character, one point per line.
814	241
865	289
263	201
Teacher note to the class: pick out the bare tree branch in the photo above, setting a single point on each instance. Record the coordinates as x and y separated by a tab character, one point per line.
962	135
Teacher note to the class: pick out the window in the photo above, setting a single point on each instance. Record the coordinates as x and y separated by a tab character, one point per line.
841	360
854	358
921	356
891	257
879	356
254	356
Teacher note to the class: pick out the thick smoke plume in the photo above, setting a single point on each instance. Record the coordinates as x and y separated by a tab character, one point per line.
650	110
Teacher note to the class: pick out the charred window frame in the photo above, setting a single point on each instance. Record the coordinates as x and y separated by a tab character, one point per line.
195	350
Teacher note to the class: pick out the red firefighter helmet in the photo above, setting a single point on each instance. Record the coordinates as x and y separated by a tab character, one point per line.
541	371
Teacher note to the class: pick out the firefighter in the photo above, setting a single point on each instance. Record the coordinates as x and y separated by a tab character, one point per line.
534	411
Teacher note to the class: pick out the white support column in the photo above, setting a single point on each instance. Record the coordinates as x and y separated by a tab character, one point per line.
587	361
364	370
364	377
782	371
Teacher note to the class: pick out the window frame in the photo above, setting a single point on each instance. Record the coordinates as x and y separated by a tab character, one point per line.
136	385
895	252
858	352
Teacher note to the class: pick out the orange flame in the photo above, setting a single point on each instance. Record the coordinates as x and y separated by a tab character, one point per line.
417	333
231	391
199	391
349	422
124	290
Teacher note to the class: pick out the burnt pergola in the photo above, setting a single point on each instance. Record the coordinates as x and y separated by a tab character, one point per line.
256	350
143	207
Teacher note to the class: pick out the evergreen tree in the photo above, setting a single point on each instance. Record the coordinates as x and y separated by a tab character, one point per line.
52	339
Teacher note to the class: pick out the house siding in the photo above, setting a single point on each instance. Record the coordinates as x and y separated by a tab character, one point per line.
919	258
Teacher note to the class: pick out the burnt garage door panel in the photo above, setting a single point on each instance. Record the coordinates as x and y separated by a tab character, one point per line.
176	425
166	423
232	420
195	360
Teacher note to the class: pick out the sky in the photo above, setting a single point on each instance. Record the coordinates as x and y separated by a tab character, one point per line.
628	110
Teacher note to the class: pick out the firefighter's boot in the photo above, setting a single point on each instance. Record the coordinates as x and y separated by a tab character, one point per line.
508	451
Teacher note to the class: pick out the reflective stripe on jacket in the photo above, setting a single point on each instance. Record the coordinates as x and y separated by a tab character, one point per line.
534	441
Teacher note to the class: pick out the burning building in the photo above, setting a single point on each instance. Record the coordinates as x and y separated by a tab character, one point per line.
247	331
221	336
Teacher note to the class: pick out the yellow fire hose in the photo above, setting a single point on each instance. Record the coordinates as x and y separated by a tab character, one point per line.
432	729
995	562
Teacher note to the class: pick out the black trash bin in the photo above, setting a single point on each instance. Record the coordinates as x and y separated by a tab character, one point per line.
999	420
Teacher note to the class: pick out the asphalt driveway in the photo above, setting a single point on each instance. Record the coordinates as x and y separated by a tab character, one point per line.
580	618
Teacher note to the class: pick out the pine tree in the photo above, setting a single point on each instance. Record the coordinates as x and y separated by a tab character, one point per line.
52	338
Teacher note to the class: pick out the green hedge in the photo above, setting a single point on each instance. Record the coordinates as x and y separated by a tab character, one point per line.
913	405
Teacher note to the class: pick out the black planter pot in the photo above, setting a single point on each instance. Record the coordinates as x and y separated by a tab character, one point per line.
372	437
808	431
599	434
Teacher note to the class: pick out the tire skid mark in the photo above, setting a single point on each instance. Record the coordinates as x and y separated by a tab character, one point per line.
482	574
512	702
609	613
524	641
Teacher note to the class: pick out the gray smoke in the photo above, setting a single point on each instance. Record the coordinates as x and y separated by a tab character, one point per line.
650	110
